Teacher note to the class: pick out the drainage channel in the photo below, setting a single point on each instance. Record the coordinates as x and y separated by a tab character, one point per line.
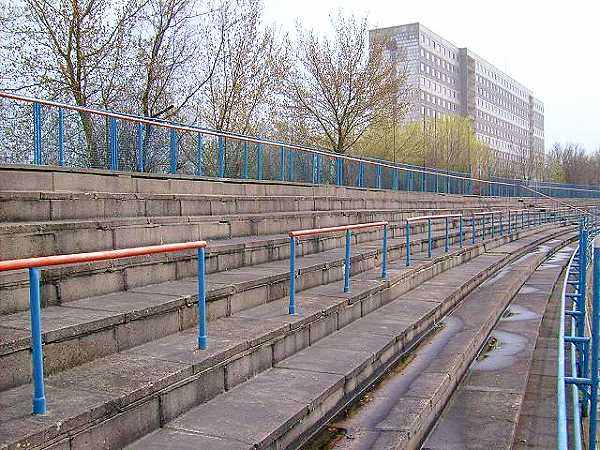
363	424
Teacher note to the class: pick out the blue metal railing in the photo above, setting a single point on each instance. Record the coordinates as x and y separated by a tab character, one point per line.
135	143
294	235
583	347
35	299
429	219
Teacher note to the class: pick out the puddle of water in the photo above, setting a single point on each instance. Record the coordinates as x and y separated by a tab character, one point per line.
502	353
518	313
496	277
528	290
542	249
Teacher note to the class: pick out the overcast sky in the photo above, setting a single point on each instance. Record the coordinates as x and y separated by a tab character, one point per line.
551	47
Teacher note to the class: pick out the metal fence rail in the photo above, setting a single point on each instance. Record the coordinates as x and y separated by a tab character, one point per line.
35	304
429	219
64	134
294	235
580	347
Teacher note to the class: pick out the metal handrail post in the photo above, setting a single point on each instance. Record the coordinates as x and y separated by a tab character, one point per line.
37	355
202	339
347	262
292	305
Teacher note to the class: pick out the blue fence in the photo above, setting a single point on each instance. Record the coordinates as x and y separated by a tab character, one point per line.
54	133
578	349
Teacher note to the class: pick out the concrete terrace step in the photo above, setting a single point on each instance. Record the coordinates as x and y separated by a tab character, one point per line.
281	407
21	240
484	410
80	330
22	206
63	284
99	404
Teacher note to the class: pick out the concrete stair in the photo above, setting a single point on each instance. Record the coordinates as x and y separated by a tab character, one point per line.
485	409
109	402
284	405
119	337
81	330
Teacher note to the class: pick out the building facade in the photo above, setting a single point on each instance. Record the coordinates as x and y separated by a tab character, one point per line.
446	79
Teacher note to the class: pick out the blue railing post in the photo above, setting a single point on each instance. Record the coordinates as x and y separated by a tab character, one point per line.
595	343
407	243
460	231
347	262
221	140
410	182
429	238
446	243
199	155
202	339
338	171
139	147
281	163
384	251
315	161
379	175
492	223
37	133
423	183
290	165
361	174
259	162
473	230
61	137
173	150
292	306
245	159
582	298
37	355
114	145
395	180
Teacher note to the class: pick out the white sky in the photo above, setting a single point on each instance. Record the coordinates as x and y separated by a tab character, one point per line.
551	47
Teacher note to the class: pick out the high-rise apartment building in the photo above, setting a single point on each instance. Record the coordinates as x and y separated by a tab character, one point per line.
450	80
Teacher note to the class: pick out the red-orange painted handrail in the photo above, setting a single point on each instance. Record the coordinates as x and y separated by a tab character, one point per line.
438	216
43	261
487	213
316	231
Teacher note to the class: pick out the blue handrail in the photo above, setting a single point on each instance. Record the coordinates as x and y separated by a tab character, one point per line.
347	170
583	349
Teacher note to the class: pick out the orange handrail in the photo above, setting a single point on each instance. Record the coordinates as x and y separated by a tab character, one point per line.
315	231
43	261
433	217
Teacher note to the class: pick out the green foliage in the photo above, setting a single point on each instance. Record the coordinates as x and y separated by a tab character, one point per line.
447	142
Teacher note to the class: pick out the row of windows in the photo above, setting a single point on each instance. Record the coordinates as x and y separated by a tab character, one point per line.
499	79
436	73
496	132
498	122
436	87
426	40
506	105
503	93
499	143
439	61
502	113
438	101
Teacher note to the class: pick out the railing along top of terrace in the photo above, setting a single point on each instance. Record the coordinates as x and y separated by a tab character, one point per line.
415	178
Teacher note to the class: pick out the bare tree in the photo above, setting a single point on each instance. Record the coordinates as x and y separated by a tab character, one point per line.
74	50
344	84
248	70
